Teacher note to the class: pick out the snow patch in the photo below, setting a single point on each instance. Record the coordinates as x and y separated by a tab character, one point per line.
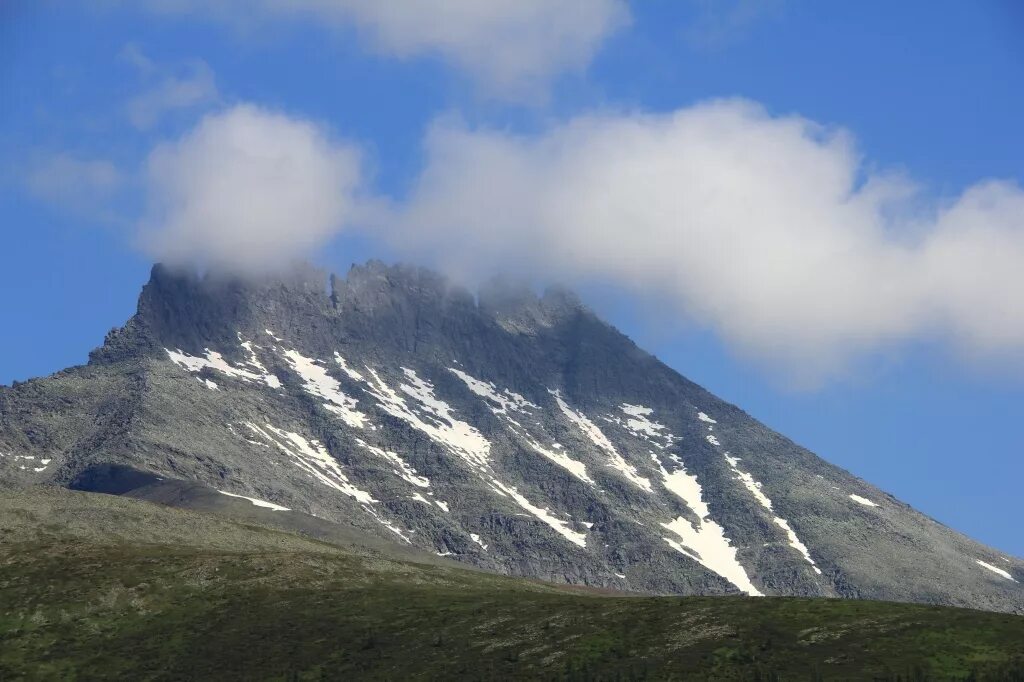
477	540
795	543
352	374
639	423
27	458
437	421
559	526
704	418
319	383
573	466
704	542
862	500
256	502
253	361
215	361
713	440
395	529
435	418
504	402
313	459
242	436
598	438
685	486
755	489
995	569
711	549
402	469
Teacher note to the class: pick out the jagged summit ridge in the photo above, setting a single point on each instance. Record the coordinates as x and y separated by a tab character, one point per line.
182	306
508	430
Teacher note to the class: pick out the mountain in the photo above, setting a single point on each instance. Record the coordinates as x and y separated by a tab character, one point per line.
101	587
506	431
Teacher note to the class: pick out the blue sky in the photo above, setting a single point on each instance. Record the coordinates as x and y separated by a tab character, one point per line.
927	405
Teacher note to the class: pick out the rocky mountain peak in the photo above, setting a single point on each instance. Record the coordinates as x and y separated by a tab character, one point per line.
513	431
517	308
183	308
374	285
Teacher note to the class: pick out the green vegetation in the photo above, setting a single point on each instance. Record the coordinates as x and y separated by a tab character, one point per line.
85	595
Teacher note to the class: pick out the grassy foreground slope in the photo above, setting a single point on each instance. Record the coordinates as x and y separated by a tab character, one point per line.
100	587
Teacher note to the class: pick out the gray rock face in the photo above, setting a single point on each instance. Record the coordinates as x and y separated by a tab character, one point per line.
512	432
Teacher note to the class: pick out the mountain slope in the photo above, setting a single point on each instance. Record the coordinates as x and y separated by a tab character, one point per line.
99	587
510	432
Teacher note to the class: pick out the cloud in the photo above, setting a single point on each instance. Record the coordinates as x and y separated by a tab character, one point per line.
767	229
72	183
771	231
511	48
195	85
247	190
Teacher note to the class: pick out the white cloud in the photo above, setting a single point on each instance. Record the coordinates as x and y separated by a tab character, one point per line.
248	189
768	230
73	183
512	48
194	86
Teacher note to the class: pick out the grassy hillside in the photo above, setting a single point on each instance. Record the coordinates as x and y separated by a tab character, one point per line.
95	587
